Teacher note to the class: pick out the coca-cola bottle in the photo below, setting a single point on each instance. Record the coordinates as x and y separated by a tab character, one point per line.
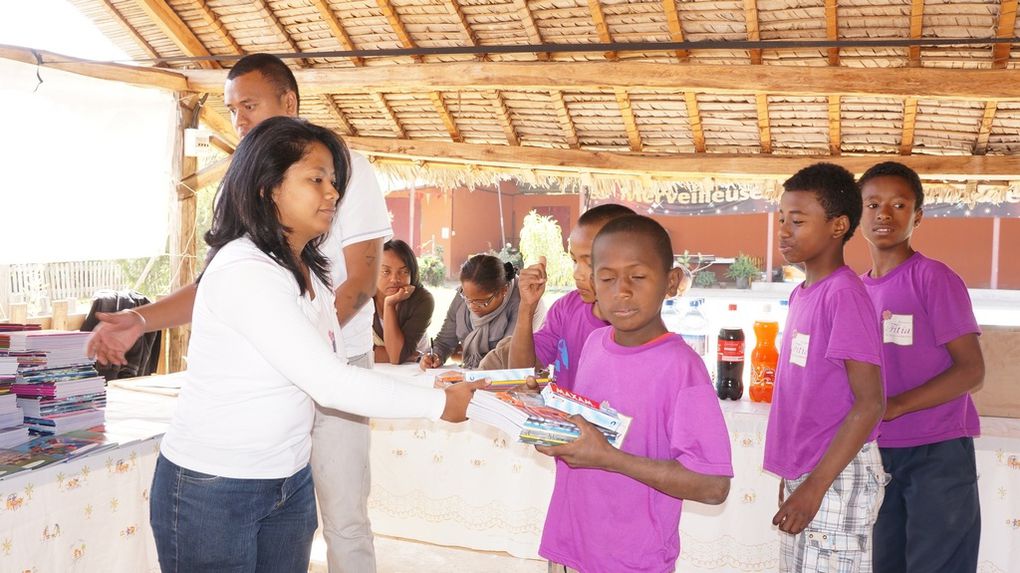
729	382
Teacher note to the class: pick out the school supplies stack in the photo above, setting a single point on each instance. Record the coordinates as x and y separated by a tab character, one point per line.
46	450
499	380
533	420
56	384
12	422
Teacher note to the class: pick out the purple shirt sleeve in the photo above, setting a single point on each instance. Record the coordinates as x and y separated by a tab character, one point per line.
698	436
947	299
854	334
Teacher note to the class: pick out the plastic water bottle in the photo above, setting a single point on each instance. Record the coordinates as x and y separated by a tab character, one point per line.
671	315
694	328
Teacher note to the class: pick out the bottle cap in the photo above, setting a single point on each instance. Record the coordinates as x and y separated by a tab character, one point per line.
784	302
733	307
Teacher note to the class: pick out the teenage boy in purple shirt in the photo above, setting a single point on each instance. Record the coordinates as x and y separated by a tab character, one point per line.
618	510
829	394
572	317
930	519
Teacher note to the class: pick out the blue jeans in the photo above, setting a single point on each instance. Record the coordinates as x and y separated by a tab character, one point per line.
207	523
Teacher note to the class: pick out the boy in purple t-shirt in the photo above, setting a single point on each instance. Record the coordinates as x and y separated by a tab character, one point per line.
829	394
618	511
571	318
930	519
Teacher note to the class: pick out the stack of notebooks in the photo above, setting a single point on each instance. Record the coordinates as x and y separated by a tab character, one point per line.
543	419
46	450
13	430
56	384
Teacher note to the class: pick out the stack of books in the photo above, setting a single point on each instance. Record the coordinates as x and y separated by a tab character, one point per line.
537	419
46	450
12	422
57	386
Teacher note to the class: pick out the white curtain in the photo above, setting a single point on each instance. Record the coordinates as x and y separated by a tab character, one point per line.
85	167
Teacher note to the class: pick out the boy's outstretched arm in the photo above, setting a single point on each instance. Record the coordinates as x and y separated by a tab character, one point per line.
869	404
531	284
591	450
965	375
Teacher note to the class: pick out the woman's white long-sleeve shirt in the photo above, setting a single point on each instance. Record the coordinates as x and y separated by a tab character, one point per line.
260	353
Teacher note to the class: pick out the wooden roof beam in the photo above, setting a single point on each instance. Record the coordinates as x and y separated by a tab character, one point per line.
563	116
985	131
337	28
694	120
505	118
832	30
956	167
530	28
1006	27
764	131
676	30
930	83
384	107
444	113
601	27
751	21
171	24
131	30
170	80
916	28
629	121
454	9
338	115
398	26
214	22
835	137
909	121
219	125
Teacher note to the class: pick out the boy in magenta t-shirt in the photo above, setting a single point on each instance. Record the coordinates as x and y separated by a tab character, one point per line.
572	317
930	519
618	511
829	394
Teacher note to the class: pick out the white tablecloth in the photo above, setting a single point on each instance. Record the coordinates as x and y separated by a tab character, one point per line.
467	485
92	513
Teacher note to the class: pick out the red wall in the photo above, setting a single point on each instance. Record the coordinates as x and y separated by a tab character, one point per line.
1009	254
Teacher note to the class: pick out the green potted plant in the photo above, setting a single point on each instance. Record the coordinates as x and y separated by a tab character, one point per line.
743	269
705	279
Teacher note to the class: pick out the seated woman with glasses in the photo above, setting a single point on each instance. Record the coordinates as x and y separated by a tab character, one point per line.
403	307
483	313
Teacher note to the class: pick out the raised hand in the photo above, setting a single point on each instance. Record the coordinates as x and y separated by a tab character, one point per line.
457	398
115	334
531	283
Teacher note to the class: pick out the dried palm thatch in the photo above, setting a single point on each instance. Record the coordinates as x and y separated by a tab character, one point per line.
615	116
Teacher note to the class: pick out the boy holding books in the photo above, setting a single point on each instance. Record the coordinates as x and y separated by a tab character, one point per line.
930	519
572	317
829	394
618	510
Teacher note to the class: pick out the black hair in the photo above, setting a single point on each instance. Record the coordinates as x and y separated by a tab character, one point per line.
602	213
272	68
406	254
488	272
836	190
646	227
896	169
244	206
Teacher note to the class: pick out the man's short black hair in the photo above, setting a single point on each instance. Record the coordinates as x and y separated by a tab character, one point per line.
896	169
601	213
644	226
836	189
272	68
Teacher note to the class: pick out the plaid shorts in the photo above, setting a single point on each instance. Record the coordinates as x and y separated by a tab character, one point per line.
557	568
838	539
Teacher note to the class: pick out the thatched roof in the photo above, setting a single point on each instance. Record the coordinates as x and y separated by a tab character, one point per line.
943	109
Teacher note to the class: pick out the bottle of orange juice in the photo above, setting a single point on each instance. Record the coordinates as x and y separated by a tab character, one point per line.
764	357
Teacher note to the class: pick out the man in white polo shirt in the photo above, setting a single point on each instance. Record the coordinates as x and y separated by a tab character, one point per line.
260	86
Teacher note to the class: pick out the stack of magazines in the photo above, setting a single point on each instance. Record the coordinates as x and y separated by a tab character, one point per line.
544	418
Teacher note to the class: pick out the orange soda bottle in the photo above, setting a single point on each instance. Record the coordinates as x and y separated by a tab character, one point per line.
764	358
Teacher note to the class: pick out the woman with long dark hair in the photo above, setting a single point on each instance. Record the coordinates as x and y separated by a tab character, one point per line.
232	489
403	306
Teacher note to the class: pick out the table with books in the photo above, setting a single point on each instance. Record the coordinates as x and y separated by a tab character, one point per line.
470	485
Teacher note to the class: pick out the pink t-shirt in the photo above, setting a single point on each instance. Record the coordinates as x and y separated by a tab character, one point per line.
829	322
601	521
559	342
922	305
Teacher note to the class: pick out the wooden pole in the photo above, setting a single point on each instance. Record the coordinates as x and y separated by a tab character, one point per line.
59	315
19	312
183	246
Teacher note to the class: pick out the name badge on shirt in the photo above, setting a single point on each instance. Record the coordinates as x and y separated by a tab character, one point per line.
799	349
897	328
